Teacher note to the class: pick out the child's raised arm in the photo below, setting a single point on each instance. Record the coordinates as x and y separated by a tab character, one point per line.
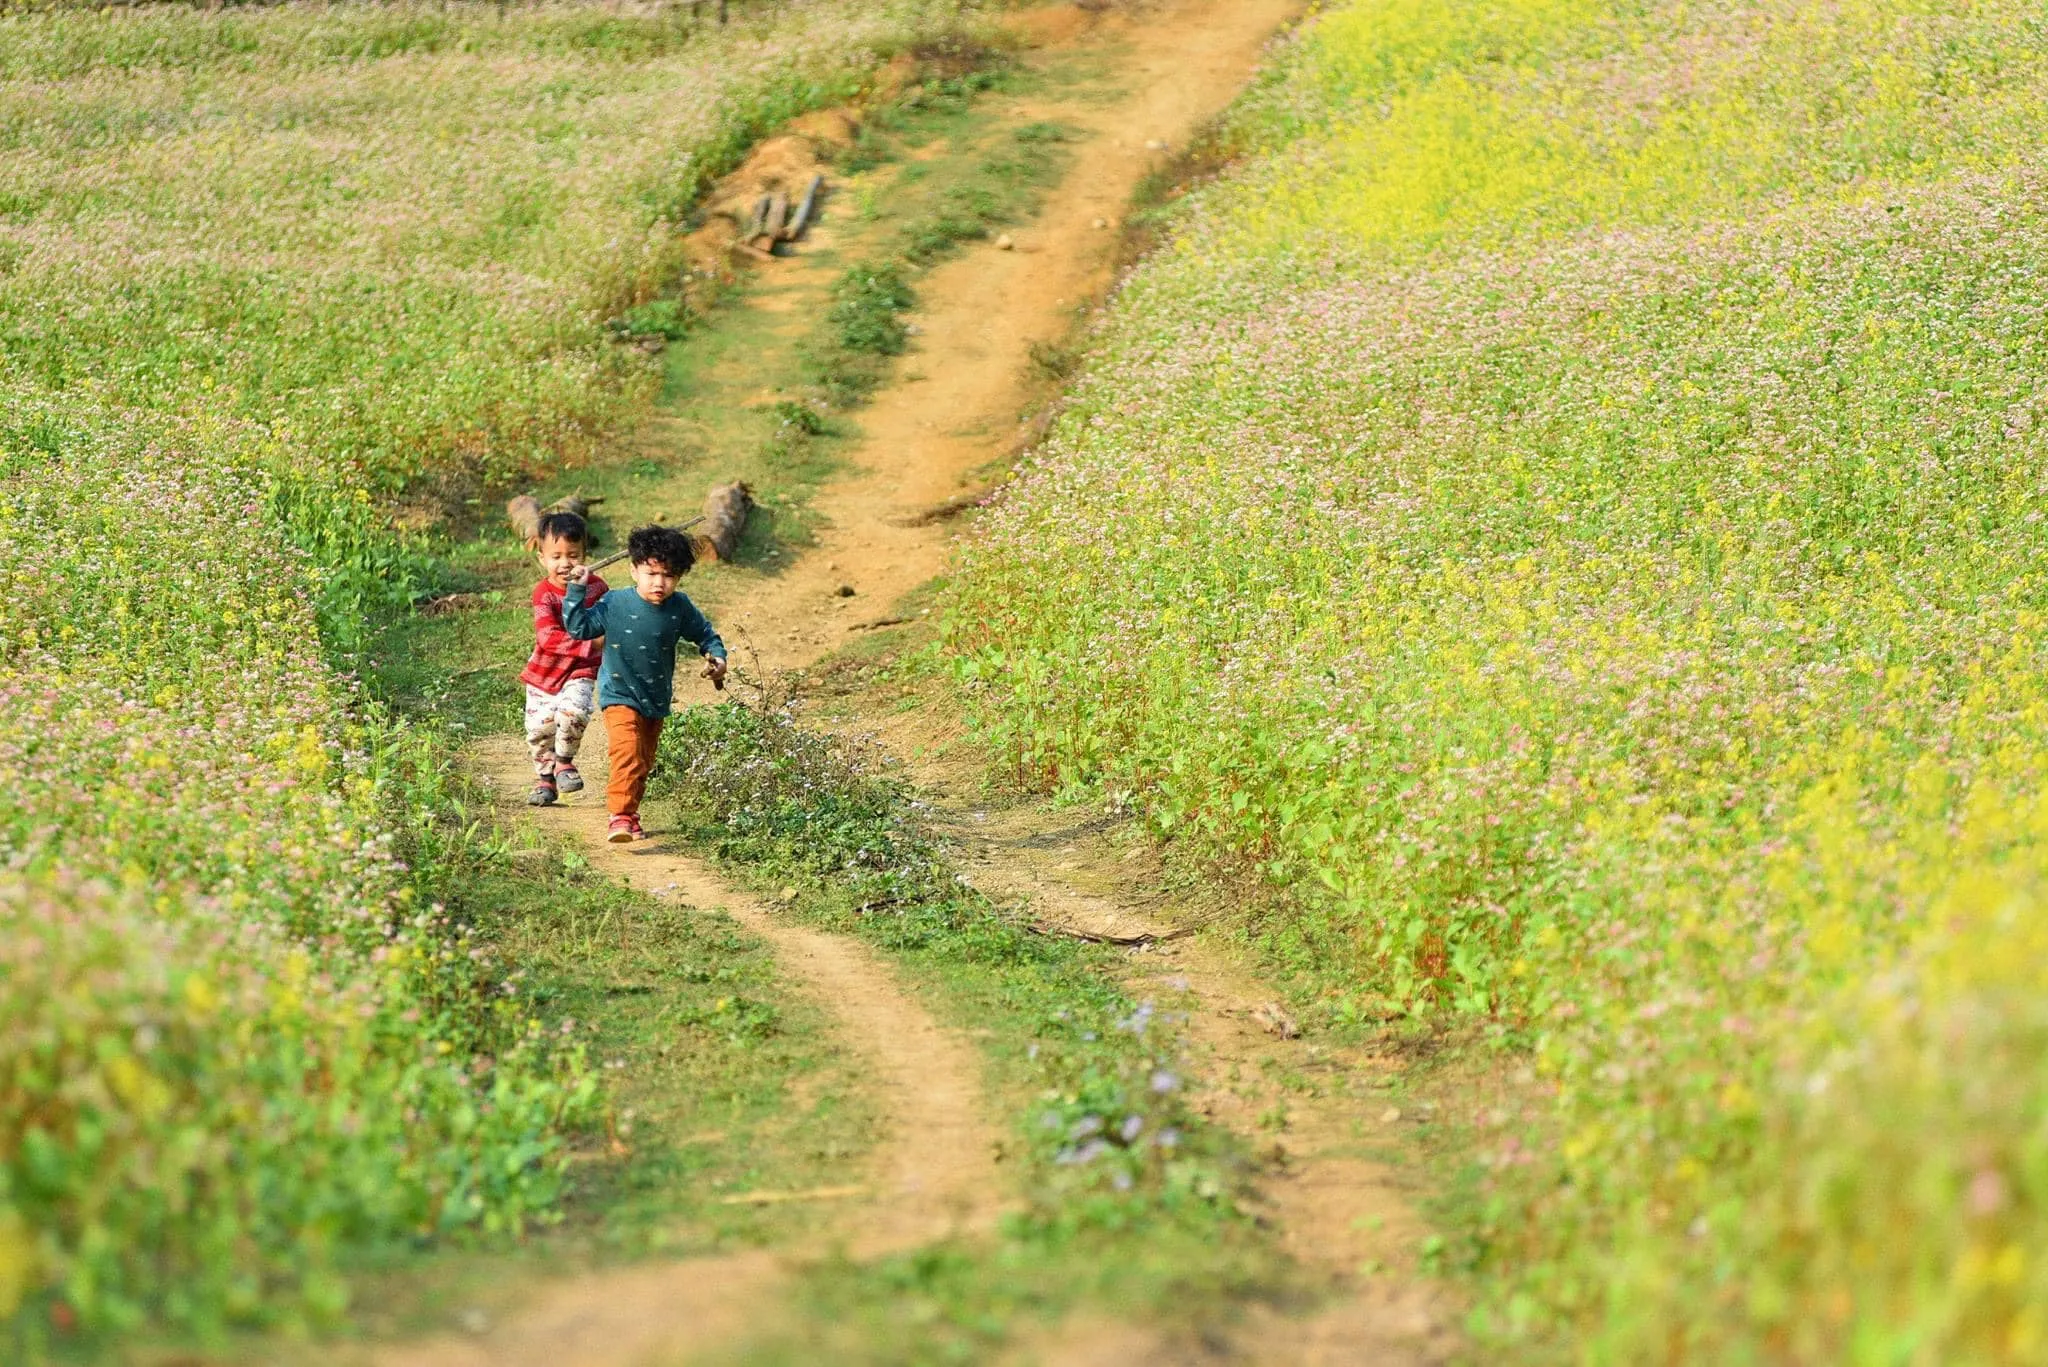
696	628
584	621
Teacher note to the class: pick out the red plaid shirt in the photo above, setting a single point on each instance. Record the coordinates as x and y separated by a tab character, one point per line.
557	656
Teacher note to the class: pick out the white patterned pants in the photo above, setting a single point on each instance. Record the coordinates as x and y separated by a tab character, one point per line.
555	722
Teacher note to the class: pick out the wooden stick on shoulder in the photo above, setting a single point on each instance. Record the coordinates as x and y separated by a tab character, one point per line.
616	556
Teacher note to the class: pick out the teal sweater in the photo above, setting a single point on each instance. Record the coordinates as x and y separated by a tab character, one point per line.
639	666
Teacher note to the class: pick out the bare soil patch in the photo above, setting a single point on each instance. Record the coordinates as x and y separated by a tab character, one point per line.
963	397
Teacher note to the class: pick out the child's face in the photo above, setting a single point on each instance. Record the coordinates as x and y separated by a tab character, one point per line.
559	555
655	580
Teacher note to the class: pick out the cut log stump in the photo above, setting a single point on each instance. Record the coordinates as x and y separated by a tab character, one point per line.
725	517
801	219
769	218
523	513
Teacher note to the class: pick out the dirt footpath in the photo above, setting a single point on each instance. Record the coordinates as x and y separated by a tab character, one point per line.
933	433
1174	66
933	1175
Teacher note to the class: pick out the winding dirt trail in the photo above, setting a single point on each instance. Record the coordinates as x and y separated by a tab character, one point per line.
1315	1114
928	438
1176	64
933	1175
1340	1209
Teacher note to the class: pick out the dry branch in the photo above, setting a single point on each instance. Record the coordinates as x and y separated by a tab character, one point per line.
773	1198
1123	941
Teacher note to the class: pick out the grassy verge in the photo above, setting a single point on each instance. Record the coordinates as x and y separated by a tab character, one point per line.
258	269
710	1078
716	1081
765	382
248	1022
1131	1198
1564	516
864	328
767	386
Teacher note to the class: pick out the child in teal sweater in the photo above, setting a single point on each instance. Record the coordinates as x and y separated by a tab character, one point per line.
642	627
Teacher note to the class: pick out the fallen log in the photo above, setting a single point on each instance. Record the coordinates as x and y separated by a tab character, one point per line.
801	219
725	517
577	504
523	512
768	231
766	224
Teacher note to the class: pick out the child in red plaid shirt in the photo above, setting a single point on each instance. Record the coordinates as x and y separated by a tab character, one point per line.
561	675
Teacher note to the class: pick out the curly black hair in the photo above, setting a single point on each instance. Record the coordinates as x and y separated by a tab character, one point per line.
561	527
664	546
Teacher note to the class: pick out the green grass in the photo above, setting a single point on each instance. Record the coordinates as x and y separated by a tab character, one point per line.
261	270
944	206
242	917
765	385
749	391
717	1081
721	1080
1144	1219
1563	517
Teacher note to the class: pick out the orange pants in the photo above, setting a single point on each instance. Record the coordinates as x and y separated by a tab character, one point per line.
630	737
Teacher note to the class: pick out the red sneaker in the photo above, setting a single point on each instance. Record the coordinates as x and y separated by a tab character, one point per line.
624	830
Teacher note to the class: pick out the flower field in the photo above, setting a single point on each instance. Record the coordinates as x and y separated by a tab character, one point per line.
1569	511
235	1036
391	233
263	271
